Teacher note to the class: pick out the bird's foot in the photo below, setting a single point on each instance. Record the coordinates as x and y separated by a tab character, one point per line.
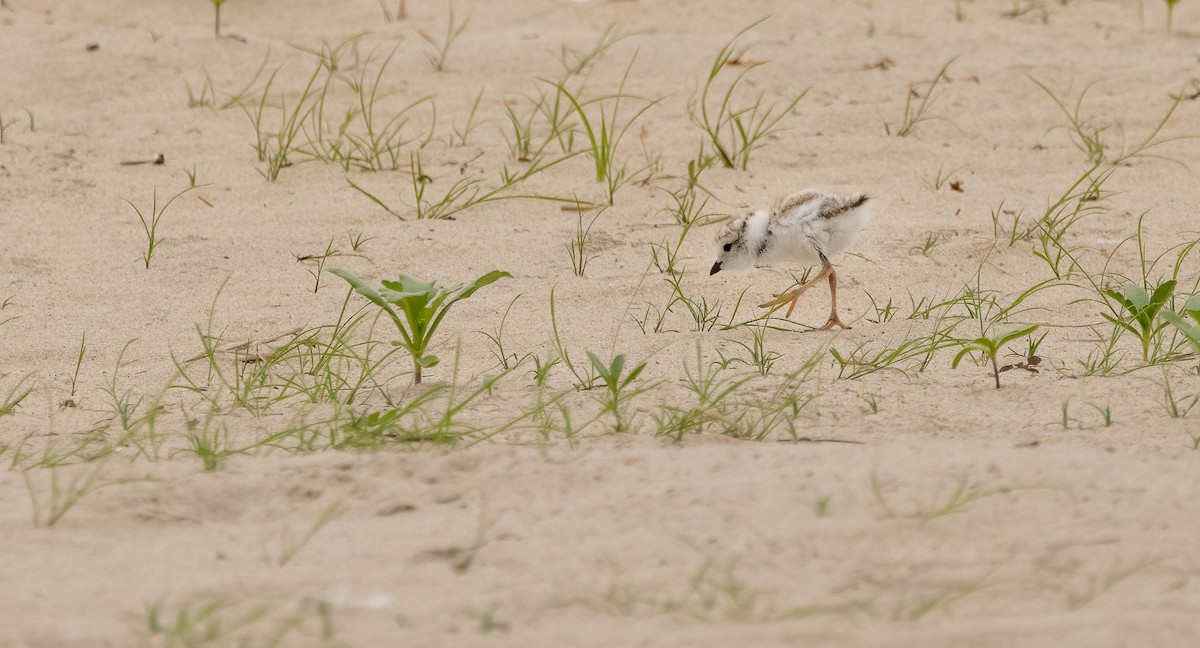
779	301
786	298
833	321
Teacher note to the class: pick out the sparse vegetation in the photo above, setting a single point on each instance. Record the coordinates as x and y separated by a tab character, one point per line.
150	219
990	347
1091	136
918	113
401	12
54	497
287	544
606	130
16	394
439	48
577	247
733	130
4	125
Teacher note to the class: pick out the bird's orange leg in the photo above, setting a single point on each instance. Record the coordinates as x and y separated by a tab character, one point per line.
834	320
793	295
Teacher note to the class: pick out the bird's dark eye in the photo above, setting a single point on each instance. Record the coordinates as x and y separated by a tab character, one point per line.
728	247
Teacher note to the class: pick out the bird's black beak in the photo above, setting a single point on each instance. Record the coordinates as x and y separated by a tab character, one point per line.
715	269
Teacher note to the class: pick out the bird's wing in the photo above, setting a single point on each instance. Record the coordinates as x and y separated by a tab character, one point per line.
794	201
834	206
809	204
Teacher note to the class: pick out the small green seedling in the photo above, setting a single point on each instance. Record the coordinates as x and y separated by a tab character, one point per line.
150	222
423	305
1170	12
577	248
217	16
400	14
915	114
1141	309
990	346
4	125
440	49
15	395
616	381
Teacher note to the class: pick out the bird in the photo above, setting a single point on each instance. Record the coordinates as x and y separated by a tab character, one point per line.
807	227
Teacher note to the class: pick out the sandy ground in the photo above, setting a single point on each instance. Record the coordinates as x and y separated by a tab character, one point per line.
912	506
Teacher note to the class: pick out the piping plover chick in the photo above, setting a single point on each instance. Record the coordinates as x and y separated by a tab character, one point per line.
807	227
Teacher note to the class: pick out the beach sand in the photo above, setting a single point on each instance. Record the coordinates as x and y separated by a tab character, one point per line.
870	503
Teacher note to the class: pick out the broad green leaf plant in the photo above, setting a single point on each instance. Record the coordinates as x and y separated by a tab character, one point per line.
1141	311
1190	330
422	306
